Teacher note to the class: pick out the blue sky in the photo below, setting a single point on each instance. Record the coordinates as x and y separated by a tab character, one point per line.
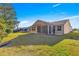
28	13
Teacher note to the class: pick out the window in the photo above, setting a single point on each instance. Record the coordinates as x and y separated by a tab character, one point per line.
59	28
33	28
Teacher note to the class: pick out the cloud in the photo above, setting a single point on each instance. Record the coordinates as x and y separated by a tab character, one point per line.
25	23
74	20
56	5
72	17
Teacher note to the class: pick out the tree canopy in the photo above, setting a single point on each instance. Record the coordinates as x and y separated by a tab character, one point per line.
8	20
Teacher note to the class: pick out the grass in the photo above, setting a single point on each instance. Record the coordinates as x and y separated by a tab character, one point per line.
72	35
35	39
67	47
12	36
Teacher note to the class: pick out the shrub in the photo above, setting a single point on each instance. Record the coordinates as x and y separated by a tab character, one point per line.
72	35
8	31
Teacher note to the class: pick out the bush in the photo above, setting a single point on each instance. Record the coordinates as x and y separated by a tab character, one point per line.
8	31
72	35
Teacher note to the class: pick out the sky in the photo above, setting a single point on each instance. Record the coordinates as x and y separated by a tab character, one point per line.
28	13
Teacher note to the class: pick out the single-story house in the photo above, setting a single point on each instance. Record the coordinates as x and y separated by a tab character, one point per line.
54	28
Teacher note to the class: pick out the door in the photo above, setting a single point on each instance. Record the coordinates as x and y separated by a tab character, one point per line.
53	29
39	29
49	29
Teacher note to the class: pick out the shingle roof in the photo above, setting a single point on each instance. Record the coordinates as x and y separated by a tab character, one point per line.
59	22
54	23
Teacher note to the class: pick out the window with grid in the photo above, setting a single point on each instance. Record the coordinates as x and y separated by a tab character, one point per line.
33	28
59	28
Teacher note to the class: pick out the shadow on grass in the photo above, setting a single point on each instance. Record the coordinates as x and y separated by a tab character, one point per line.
39	39
34	39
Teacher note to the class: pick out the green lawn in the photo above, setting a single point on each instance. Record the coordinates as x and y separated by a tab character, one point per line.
12	36
67	46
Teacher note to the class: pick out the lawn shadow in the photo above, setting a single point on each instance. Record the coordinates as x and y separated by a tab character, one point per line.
34	39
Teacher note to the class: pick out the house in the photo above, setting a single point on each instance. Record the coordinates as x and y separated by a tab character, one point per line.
54	28
24	29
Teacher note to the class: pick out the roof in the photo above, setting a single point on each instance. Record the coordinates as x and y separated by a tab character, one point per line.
59	22
54	23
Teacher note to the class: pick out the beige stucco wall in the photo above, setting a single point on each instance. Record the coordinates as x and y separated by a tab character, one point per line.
67	28
59	32
30	30
36	25
56	31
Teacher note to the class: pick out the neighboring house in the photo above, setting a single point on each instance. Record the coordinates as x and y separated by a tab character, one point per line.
25	29
55	28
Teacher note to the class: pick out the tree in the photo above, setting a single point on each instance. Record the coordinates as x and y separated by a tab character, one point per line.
2	28
8	19
75	29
